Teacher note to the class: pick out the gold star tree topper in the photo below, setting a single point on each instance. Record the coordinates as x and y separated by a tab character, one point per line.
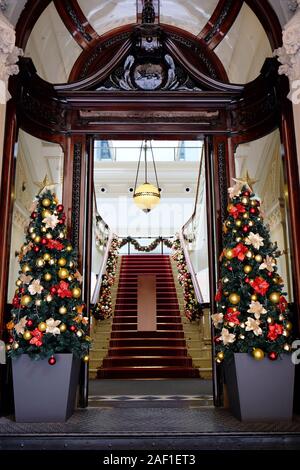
246	179
46	183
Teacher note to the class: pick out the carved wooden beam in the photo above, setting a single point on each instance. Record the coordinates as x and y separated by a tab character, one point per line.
269	21
220	22
76	23
139	10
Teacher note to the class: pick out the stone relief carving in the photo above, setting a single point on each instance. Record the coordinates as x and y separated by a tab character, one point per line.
289	54
9	55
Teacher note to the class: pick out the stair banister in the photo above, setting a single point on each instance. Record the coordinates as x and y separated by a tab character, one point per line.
102	270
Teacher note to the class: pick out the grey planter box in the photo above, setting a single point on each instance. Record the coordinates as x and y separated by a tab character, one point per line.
260	390
45	393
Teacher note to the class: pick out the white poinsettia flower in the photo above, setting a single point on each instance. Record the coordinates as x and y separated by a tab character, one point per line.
20	326
255	240
253	325
217	318
227	337
25	279
235	190
257	309
268	264
52	326
35	287
51	221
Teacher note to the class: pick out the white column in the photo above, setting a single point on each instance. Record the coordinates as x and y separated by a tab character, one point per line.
8	57
289	57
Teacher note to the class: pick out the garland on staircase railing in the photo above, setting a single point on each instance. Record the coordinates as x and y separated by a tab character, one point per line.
148	248
192	308
103	309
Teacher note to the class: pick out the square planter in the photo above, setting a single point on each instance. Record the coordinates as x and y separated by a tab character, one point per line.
45	393
260	390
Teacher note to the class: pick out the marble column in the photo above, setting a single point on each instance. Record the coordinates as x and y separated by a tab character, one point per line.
289	56
9	55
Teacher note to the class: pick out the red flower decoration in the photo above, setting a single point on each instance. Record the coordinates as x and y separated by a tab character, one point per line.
260	285
37	339
16	301
55	245
218	296
63	290
239	251
274	331
232	316
283	304
236	210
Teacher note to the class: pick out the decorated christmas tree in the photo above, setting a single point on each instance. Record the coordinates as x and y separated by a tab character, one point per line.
252	311
48	315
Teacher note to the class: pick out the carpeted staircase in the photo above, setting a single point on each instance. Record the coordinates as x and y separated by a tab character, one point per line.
139	354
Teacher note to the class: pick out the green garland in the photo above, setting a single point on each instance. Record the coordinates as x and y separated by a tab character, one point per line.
153	245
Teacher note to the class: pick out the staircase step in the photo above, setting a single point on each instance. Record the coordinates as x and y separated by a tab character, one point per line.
147	334
147	372
160	319
150	350
137	361
133	326
147	342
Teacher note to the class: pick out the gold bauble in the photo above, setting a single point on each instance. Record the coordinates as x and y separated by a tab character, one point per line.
40	262
15	345
254	297
62	310
46	213
70	278
62	262
258	354
220	355
63	273
27	335
18	282
234	230
33	235
8	347
26	268
47	276
48	236
287	347
247	268
253	203
86	358
249	254
274	297
25	300
62	327
42	326
286	333
71	264
76	292
234	298
51	261
43	229
47	256
46	202
69	248
229	254
49	298
246	215
238	223
245	200
225	280
275	280
288	326
37	239
258	258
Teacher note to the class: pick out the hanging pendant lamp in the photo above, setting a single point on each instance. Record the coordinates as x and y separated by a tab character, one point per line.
146	196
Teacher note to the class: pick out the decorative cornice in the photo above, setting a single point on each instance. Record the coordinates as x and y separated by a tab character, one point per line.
289	54
9	55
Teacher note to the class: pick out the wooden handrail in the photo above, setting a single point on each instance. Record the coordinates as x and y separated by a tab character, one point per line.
102	270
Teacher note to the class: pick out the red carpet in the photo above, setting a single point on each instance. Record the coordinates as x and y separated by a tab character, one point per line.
141	354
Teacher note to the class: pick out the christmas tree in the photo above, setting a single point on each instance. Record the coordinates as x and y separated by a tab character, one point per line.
48	315
252	311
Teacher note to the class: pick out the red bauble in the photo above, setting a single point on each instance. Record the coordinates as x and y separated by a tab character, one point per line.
217	339
73	328
245	229
247	279
230	268
22	290
44	241
252	210
61	222
246	193
11	339
52	361
34	215
36	249
270	274
59	208
29	323
53	290
273	356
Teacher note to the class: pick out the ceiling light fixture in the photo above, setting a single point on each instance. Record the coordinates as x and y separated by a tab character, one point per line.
147	195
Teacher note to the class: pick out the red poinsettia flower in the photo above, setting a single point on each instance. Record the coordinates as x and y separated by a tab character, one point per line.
16	301
239	251
282	304
232	316
236	210
55	245
37	338
260	285
275	331
63	290
218	296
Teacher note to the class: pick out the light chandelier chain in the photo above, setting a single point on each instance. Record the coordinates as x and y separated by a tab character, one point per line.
138	169
155	172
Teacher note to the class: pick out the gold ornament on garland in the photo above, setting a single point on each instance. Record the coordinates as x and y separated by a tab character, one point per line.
25	300
46	202
234	298
274	297
63	273
258	354
62	262
76	292
42	326
62	310
27	335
